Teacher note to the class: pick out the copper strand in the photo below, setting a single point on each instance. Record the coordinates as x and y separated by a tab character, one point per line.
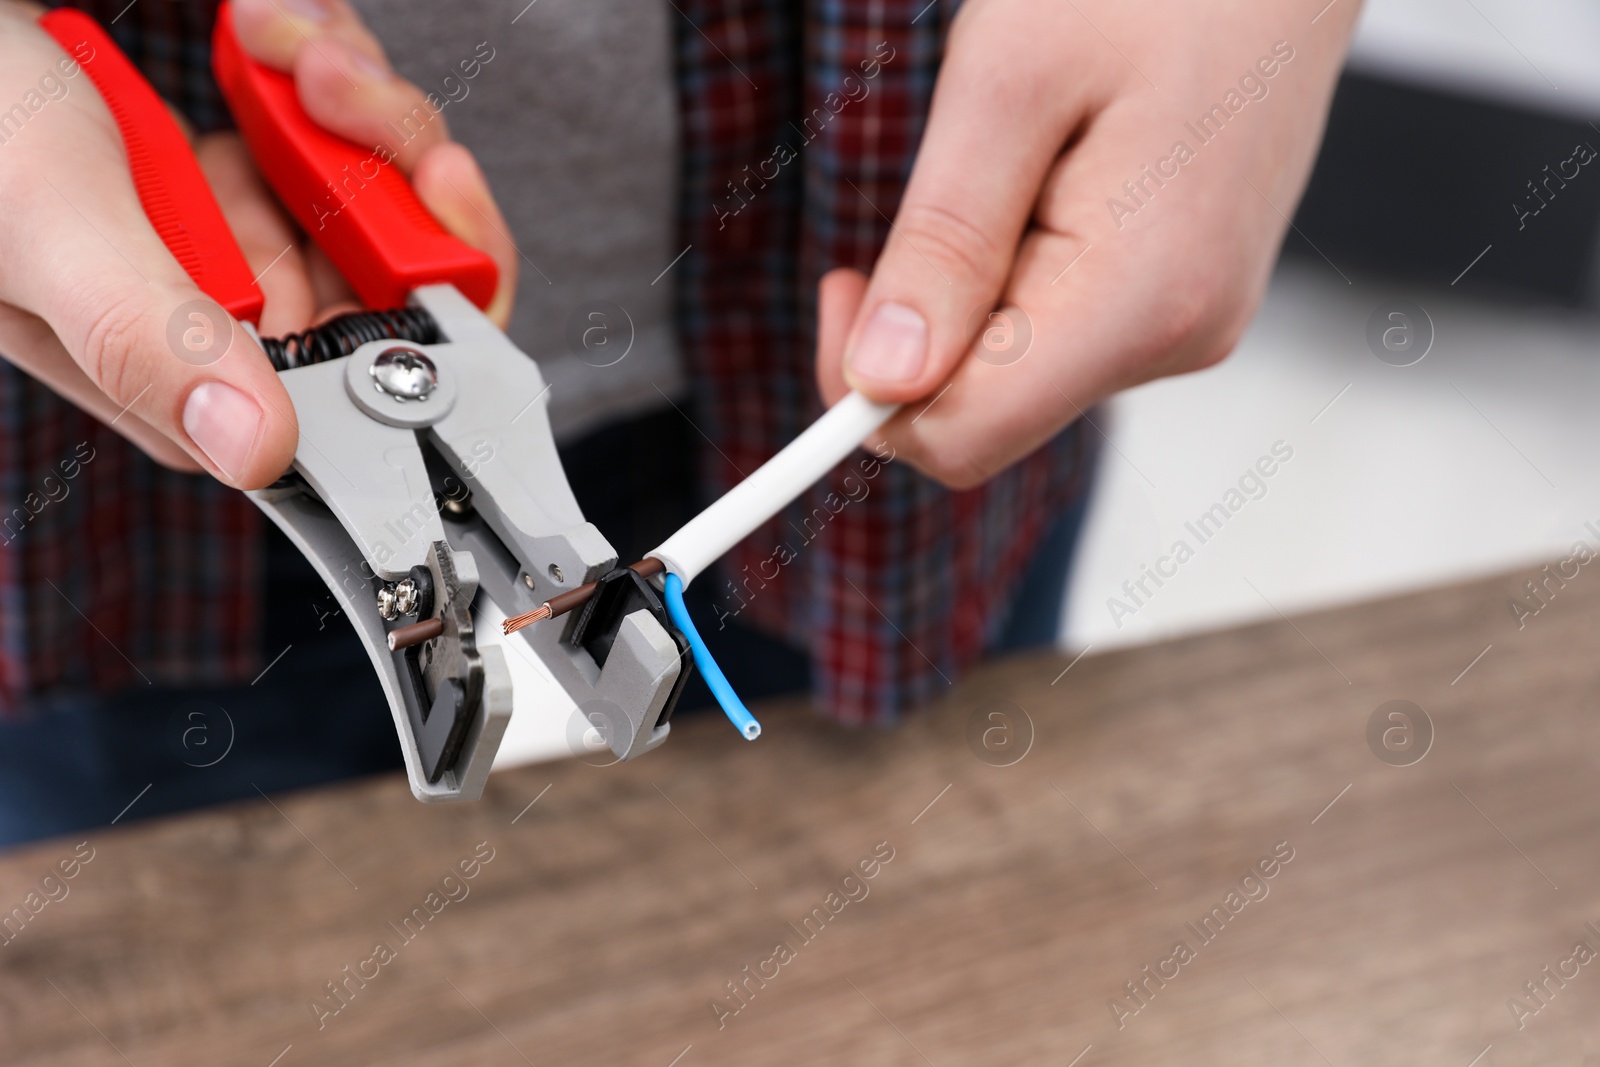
562	603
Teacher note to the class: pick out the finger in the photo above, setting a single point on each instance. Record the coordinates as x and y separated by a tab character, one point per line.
997	409
332	295
358	97
265	235
346	85
839	294
274	31
991	138
343	78
1101	309
98	274
451	186
164	350
333	311
51	365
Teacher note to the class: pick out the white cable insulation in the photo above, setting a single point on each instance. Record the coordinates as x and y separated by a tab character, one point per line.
778	481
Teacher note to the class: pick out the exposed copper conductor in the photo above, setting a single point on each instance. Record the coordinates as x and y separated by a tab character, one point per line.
527	618
562	603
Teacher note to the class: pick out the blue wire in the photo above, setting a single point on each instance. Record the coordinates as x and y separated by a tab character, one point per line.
732	706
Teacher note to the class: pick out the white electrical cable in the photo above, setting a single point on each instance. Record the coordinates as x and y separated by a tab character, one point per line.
778	481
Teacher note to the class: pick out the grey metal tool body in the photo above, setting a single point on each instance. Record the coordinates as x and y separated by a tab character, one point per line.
426	475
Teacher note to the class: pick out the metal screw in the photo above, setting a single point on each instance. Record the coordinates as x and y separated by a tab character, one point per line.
527	580
404	373
396	599
405	597
555	574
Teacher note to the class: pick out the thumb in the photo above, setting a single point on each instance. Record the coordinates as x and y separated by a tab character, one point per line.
91	266
159	347
983	158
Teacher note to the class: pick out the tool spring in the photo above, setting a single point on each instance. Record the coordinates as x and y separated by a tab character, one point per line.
341	336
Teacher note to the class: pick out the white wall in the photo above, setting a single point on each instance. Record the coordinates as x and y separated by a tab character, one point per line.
1544	54
1414	476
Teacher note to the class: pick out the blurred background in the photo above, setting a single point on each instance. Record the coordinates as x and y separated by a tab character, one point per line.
1471	461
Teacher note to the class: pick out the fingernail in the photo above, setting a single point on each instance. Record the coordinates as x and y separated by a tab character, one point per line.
893	345
224	423
366	66
315	10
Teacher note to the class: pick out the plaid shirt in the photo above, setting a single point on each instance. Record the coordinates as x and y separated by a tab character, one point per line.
894	583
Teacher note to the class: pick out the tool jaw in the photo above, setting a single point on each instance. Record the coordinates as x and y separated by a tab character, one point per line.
626	700
313	528
440	457
497	438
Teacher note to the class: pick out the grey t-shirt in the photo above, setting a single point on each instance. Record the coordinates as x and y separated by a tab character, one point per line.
568	106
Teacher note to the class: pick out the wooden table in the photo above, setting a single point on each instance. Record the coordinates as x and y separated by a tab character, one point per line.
1018	903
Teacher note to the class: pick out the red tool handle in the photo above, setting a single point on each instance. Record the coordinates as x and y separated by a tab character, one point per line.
171	187
351	200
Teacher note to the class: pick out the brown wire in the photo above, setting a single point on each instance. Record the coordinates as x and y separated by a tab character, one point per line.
415	634
562	603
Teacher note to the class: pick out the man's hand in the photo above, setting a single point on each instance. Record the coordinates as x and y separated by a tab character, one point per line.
1097	201
89	295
